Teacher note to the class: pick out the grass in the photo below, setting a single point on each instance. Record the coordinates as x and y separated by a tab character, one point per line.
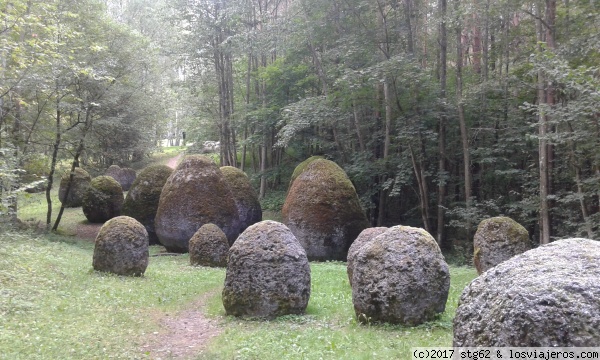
54	306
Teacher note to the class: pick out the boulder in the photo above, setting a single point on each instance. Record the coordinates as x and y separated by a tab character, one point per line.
364	237
498	239
141	202
195	194
268	274
400	277
244	195
209	247
323	211
81	181
102	200
545	297
121	247
124	176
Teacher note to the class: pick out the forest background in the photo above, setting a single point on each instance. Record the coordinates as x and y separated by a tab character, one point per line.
441	112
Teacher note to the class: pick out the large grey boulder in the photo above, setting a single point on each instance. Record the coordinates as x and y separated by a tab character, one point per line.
124	176
209	247
121	247
548	296
79	185
268	274
195	194
496	240
322	210
400	277
102	200
244	195
364	237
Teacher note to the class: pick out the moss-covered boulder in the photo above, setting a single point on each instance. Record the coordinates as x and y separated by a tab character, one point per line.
364	237
81	181
195	194
544	297
244	195
103	199
323	211
400	277
302	166
124	176
268	274
498	239
121	247
142	199
209	247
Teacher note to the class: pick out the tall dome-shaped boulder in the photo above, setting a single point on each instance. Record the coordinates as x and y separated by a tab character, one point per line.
195	194
141	202
545	297
400	277
103	200
244	195
323	211
364	237
268	274
498	239
209	247
81	181
121	247
124	176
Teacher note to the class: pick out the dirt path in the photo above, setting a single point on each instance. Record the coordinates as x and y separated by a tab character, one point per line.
184	334
172	163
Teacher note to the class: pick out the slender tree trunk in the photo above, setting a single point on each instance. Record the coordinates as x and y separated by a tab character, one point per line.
442	186
357	126
56	146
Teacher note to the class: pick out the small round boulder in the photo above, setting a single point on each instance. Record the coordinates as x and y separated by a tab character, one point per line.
81	181
142	199
103	200
209	247
364	237
323	211
498	239
268	274
244	195
400	277
121	247
124	176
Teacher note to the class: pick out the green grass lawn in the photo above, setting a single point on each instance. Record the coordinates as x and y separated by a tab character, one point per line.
54	306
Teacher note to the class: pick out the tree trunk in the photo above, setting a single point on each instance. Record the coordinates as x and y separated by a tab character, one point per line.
443	66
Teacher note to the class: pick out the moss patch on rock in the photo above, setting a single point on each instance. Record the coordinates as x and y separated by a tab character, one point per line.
103	200
142	199
244	195
302	166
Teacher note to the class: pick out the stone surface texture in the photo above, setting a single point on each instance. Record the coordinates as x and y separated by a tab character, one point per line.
244	195
400	277
268	274
141	202
81	181
496	240
209	247
323	211
548	296
121	247
364	237
195	194
103	199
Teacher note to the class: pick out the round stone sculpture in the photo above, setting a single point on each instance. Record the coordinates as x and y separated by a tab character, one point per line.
209	247
400	277
364	237
268	274
498	239
545	297
121	247
124	176
195	194
244	195
102	200
81	181
323	211
141	202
